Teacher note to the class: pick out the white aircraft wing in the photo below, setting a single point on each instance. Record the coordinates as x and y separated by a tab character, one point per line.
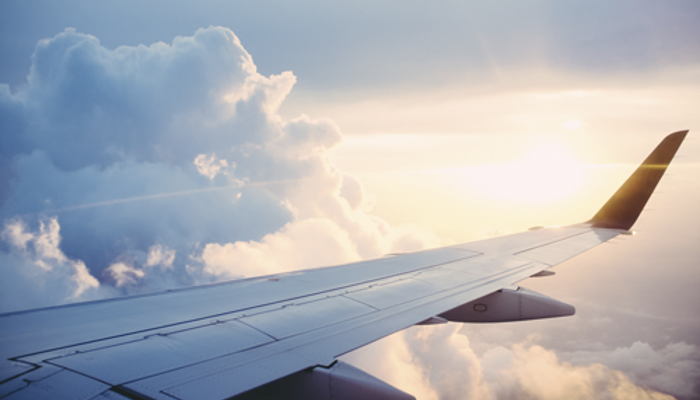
278	336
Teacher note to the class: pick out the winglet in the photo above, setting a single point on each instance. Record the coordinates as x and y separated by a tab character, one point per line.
623	208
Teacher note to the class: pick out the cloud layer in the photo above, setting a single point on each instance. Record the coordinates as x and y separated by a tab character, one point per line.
442	363
167	165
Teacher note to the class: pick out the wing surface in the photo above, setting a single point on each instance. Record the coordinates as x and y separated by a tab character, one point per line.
216	341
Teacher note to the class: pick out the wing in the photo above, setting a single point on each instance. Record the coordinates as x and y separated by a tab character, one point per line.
278	336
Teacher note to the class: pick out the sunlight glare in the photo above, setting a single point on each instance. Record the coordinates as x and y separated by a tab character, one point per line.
548	172
572	124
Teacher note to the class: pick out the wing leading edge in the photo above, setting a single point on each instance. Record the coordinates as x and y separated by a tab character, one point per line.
279	336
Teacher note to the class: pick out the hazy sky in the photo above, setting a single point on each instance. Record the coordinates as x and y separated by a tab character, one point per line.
153	145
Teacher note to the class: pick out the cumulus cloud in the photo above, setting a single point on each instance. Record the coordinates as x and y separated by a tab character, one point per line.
37	273
674	368
392	360
442	363
439	350
159	255
529	370
123	274
210	166
168	165
294	247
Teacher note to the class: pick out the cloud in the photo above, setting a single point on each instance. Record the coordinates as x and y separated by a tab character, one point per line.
296	246
392	360
442	363
529	370
168	165
159	255
210	166
37	273
659	359
124	274
437	351
674	368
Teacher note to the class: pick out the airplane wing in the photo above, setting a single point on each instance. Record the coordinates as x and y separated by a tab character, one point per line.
278	336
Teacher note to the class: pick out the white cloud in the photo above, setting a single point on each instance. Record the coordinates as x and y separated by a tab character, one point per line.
210	166
37	273
159	255
439	362
537	372
392	360
124	274
173	156
438	351
305	244
674	368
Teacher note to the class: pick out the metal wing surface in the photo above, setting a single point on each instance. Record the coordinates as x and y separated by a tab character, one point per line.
217	341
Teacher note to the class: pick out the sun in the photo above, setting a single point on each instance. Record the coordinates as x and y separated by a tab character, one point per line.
547	172
572	124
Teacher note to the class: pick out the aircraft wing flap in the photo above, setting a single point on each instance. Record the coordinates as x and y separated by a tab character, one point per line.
109	395
321	346
60	385
222	384
300	318
158	353
389	295
11	369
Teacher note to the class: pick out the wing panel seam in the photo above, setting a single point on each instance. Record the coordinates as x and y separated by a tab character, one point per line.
552	242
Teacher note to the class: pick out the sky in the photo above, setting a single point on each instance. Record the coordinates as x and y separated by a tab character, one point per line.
146	146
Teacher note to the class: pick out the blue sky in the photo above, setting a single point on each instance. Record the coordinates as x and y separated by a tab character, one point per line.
255	131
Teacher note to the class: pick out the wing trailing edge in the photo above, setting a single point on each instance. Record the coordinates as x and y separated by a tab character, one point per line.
624	207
